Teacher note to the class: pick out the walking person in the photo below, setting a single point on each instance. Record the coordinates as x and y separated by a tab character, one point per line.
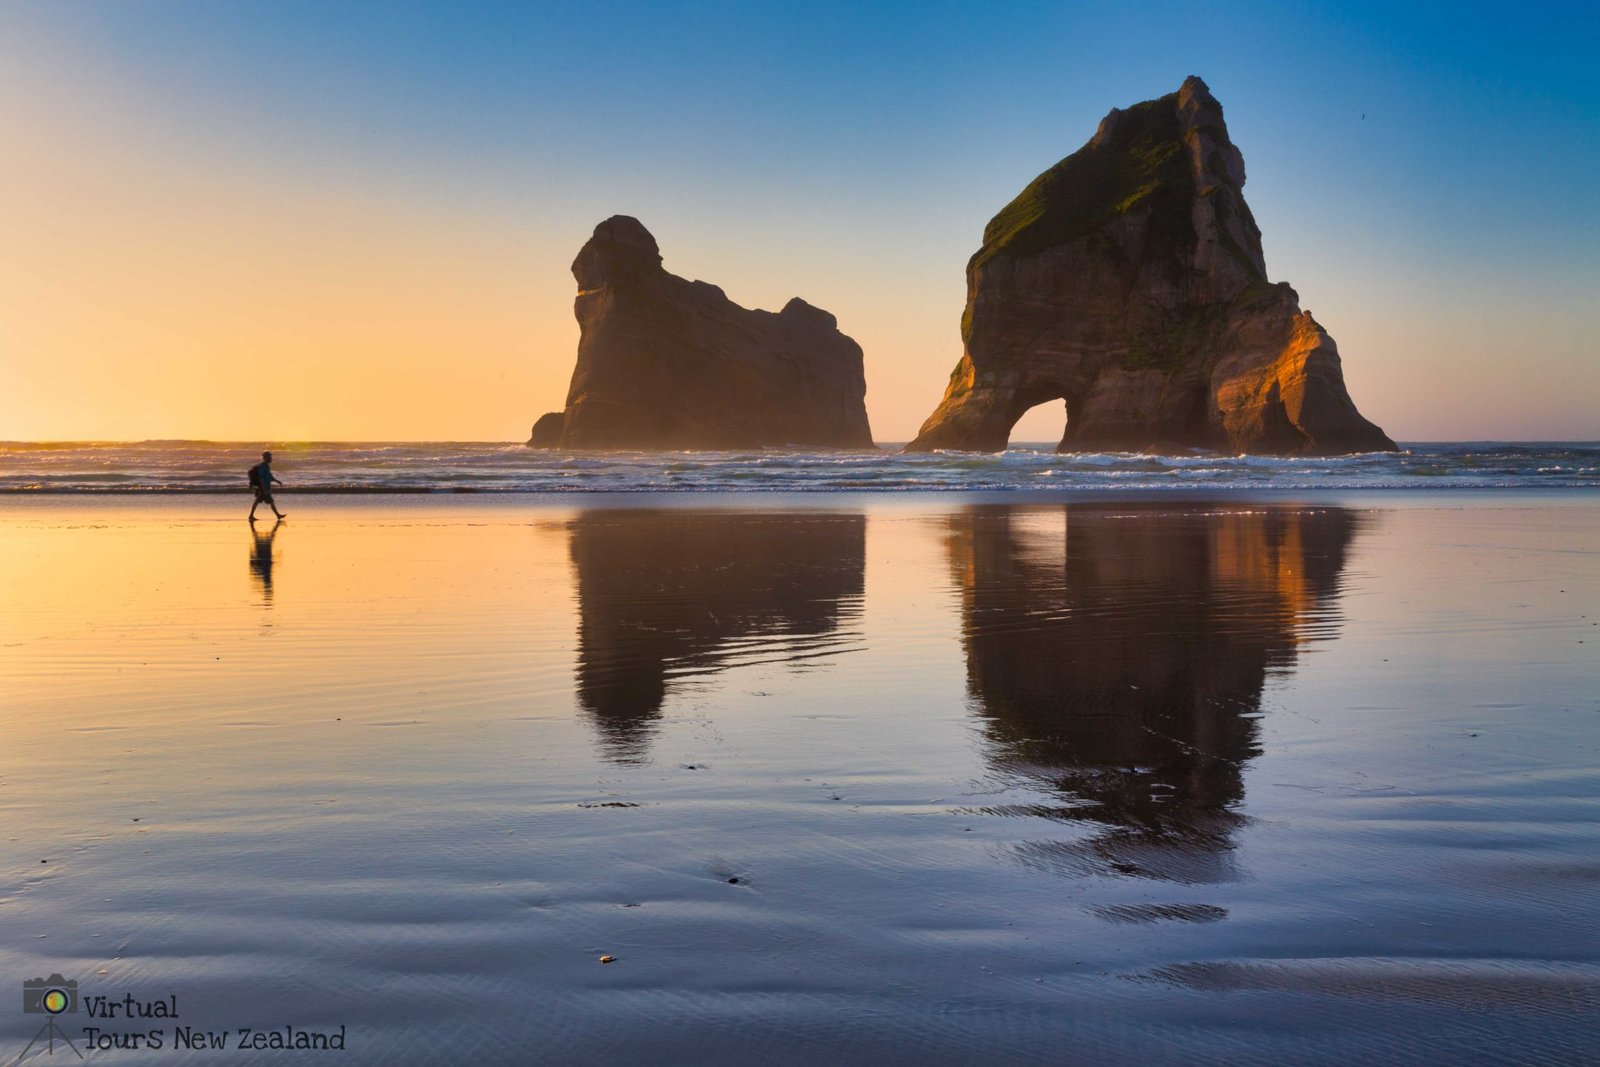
261	479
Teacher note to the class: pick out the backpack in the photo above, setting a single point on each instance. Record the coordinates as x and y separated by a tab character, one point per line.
255	478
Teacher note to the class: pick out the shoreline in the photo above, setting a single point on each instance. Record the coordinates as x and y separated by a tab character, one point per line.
822	499
951	776
495	470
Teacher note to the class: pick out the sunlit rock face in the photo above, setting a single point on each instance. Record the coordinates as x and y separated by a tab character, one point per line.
668	363
1128	281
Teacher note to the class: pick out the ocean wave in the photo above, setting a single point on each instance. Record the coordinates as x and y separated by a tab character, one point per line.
446	467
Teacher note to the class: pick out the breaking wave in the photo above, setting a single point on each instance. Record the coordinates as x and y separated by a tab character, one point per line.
461	467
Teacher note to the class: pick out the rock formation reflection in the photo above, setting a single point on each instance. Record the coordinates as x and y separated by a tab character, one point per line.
666	596
1118	656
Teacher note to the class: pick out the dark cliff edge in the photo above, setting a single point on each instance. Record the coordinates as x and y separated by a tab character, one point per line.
1128	281
664	362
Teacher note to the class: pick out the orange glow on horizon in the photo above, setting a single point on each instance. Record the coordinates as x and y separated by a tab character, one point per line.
255	284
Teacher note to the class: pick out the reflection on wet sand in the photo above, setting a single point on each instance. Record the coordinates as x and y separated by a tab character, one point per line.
261	558
1118	657
665	596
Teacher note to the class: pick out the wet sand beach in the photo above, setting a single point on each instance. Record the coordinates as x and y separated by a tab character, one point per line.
941	780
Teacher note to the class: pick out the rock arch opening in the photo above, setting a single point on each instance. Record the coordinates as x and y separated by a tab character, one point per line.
1042	423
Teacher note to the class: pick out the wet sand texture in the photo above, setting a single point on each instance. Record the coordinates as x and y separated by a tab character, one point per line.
1241	782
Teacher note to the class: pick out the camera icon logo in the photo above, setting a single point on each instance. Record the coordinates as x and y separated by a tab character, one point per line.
49	996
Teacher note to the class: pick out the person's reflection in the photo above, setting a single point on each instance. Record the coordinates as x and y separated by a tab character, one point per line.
668	596
261	559
1118	657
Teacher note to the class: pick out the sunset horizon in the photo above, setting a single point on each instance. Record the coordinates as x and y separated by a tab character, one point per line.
225	226
704	534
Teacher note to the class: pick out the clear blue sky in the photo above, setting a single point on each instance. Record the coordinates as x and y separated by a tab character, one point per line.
1426	176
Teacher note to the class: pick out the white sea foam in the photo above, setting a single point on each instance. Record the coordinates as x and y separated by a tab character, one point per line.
434	467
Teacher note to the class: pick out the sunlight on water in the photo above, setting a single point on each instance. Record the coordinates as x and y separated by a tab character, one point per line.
960	779
333	467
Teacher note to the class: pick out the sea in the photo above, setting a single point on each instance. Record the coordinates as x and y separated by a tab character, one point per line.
490	755
479	467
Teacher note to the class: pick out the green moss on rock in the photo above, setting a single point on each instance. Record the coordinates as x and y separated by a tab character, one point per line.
958	380
1140	166
1231	246
1257	291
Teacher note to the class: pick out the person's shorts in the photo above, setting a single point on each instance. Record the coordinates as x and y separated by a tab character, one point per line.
263	496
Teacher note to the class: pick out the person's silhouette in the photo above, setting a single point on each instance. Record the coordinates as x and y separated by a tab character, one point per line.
261	559
261	479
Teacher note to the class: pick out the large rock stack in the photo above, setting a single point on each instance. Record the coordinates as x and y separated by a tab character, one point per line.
1128	281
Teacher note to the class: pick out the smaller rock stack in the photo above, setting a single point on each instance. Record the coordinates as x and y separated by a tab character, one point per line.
667	363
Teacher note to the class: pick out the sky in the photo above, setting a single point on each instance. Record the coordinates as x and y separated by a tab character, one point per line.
355	221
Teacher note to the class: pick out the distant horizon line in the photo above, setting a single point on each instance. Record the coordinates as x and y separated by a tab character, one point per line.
290	442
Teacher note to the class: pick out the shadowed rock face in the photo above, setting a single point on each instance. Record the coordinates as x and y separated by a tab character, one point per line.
668	363
666	597
547	430
1128	281
1118	660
